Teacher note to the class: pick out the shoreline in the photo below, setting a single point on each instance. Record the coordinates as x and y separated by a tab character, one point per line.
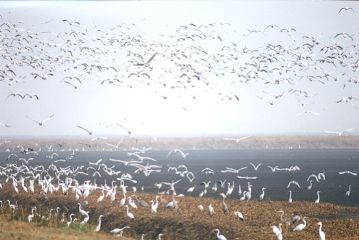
190	143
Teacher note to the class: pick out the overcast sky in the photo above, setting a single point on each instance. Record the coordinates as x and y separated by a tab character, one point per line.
141	108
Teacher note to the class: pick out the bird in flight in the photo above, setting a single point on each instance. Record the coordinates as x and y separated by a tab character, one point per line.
86	130
237	140
346	9
148	61
339	133
23	96
128	131
294	183
347	172
40	123
308	112
5	125
255	167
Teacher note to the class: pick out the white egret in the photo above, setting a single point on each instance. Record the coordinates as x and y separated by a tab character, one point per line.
98	227
239	215
129	214
210	209
321	233
31	216
301	226
100	198
119	230
218	235
278	231
347	193
318	197
261	197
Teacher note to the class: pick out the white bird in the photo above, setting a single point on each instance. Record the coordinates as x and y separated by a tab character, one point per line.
310	185
100	198
129	214
313	176
118	230
301	226
236	140
273	169
261	197
318	197
96	163
278	231
69	222
321	176
230	188
31	216
191	189
82	212
339	133
88	131
308	112
347	172
232	170
41	123
239	215
177	151
218	235
255	167
293	182
154	205
210	209
346	9
290	200
347	193
98	227
5	125
200	207
148	61
159	236
321	233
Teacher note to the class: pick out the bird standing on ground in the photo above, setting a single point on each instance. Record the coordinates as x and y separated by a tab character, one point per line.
278	231
218	235
321	233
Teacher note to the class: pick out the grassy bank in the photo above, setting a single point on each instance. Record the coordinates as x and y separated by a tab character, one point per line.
22	230
187	222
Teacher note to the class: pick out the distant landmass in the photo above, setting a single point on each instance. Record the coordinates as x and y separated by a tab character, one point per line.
162	143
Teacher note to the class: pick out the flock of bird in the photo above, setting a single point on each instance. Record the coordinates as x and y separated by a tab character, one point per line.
193	58
190	60
64	172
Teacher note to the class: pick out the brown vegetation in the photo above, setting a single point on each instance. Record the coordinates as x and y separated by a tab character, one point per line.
187	222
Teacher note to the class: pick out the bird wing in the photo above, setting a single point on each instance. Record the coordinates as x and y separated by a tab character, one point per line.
5	125
28	117
151	58
11	95
83	129
242	138
47	119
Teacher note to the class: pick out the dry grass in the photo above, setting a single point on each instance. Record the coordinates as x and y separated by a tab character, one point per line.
22	230
188	222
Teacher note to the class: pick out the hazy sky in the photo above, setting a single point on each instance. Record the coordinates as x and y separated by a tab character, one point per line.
141	108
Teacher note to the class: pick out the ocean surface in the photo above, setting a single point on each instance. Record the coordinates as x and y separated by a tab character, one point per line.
330	162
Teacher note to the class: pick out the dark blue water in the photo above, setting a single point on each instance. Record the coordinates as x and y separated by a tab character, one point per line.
330	162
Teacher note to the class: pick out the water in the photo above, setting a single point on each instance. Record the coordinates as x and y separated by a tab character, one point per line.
330	162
